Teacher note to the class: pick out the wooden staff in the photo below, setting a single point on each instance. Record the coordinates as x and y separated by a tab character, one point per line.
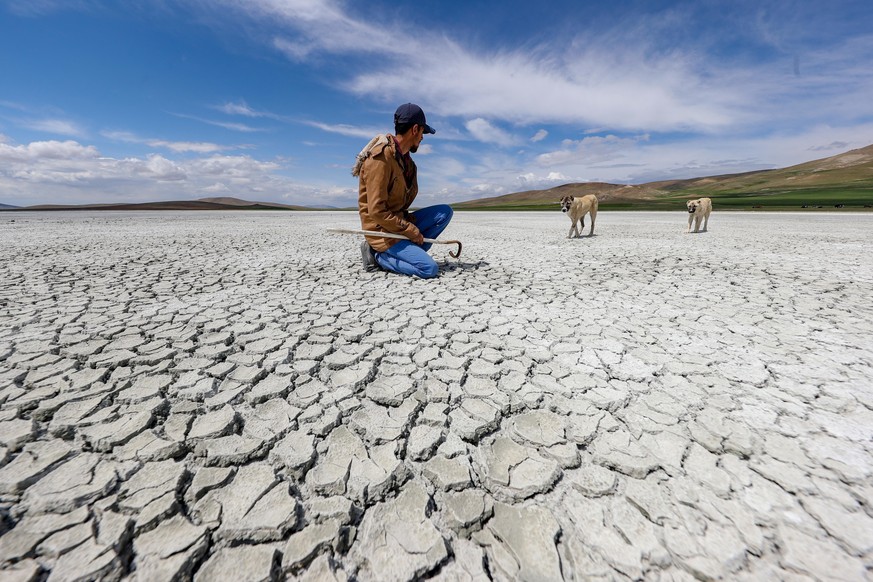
454	255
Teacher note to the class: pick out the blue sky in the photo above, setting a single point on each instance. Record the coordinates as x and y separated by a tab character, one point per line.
139	100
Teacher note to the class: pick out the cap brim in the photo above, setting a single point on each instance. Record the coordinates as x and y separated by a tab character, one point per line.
428	129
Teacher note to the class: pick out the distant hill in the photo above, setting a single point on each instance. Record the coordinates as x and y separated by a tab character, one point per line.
202	204
848	170
7	206
846	178
240	203
604	191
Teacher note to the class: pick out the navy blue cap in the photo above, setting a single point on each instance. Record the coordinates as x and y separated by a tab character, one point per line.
411	114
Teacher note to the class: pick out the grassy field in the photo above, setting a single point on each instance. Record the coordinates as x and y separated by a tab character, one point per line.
855	198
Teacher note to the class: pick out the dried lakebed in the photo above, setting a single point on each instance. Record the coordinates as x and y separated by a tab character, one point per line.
228	396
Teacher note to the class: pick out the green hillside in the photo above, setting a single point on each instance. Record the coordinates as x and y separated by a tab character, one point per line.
845	179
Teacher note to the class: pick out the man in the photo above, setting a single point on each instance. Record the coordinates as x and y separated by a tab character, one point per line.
388	185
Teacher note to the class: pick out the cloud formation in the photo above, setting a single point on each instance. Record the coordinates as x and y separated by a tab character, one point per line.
231	125
591	150
76	173
485	132
643	74
348	130
540	135
175	146
240	108
54	126
39	7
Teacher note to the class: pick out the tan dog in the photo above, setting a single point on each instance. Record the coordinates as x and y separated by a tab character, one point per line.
578	208
697	210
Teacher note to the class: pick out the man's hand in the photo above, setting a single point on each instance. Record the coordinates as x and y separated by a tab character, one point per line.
417	238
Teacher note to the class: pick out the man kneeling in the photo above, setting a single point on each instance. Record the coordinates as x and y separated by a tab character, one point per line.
388	184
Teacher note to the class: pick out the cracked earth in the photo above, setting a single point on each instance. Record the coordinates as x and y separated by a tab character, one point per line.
228	396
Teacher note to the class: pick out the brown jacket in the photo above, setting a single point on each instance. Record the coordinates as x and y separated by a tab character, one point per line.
383	198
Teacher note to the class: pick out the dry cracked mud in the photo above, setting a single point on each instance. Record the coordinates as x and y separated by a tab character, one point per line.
228	396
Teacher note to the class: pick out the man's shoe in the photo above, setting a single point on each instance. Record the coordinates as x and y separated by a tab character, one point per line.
368	258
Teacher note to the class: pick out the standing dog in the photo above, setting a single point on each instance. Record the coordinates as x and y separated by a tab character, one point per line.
578	208
697	210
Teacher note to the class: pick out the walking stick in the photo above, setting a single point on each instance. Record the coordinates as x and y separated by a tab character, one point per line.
454	255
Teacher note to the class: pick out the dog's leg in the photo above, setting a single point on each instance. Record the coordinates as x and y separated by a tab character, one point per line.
690	219
696	224
593	218
581	227
572	227
705	222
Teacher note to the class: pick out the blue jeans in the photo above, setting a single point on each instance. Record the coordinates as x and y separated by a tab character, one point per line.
408	258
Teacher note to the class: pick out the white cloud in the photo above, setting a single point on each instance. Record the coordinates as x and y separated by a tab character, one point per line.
531	181
624	86
486	132
644	73
531	88
216	188
175	146
243	109
241	127
438	179
160	168
486	189
55	126
295	51
72	173
316	26
240	108
188	146
46	150
12	105
348	130
539	135
591	150
235	167
41	7
41	119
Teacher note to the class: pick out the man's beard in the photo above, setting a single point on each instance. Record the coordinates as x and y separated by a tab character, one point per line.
413	149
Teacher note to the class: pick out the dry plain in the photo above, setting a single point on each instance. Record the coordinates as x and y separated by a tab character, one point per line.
228	396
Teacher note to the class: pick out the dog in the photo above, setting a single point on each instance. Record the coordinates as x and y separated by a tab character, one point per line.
697	210
577	209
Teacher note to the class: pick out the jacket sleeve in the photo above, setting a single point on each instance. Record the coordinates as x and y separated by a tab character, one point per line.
377	176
